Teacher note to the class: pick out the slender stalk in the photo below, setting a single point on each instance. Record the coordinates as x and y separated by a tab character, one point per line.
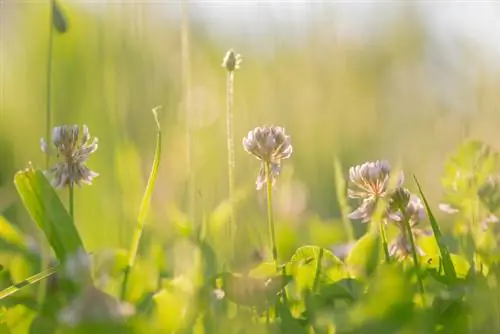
318	270
48	98
71	192
186	87
385	244
42	290
416	263
270	216
231	161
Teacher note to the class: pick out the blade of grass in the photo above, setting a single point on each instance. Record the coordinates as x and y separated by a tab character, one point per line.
143	209
340	187
48	212
444	253
28	281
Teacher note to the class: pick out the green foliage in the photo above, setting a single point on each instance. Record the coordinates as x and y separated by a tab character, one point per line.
48	212
365	256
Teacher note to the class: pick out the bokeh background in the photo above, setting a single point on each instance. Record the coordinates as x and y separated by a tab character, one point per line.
360	80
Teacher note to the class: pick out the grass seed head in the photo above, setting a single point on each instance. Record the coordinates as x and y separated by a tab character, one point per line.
231	61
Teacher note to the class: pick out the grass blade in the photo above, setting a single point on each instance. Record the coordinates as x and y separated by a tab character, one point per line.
448	267
48	212
29	281
340	187
146	199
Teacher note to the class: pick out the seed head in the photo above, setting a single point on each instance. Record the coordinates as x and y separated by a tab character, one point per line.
74	151
231	61
269	144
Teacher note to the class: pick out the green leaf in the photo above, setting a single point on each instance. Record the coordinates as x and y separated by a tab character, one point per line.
288	323
444	253
365	255
28	281
48	212
303	266
143	209
348	289
251	291
435	267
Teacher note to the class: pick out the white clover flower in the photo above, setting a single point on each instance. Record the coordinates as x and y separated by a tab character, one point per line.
74	151
271	145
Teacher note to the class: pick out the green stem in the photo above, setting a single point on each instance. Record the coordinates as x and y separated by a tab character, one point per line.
385	245
45	254
231	160
416	263
318	270
270	216
71	190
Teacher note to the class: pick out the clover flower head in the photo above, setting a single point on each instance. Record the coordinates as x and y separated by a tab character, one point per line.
413	213
74	150
370	182
231	61
269	144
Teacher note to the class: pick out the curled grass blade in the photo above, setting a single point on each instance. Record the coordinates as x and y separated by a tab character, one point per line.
48	212
444	253
143	209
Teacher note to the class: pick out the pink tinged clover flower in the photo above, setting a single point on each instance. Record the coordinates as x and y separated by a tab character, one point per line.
269	144
370	182
73	149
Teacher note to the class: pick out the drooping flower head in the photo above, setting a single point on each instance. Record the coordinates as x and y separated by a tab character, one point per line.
231	61
269	144
370	182
74	151
413	213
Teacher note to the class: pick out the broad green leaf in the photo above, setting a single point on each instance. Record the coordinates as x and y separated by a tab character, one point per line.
347	289
365	256
143	209
303	266
388	303
171	307
288	323
444	253
48	212
28	281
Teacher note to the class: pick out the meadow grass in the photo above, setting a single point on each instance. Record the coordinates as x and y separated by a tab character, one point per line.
250	249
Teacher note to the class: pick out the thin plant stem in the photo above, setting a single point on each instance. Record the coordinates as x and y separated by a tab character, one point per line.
416	263
318	270
42	290
71	191
48	98
186	87
231	160
270	216
385	244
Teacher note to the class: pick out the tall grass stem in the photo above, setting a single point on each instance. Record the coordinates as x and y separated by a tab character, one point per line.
45	253
231	160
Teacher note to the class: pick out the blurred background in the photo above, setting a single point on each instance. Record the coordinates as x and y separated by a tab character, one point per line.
360	80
